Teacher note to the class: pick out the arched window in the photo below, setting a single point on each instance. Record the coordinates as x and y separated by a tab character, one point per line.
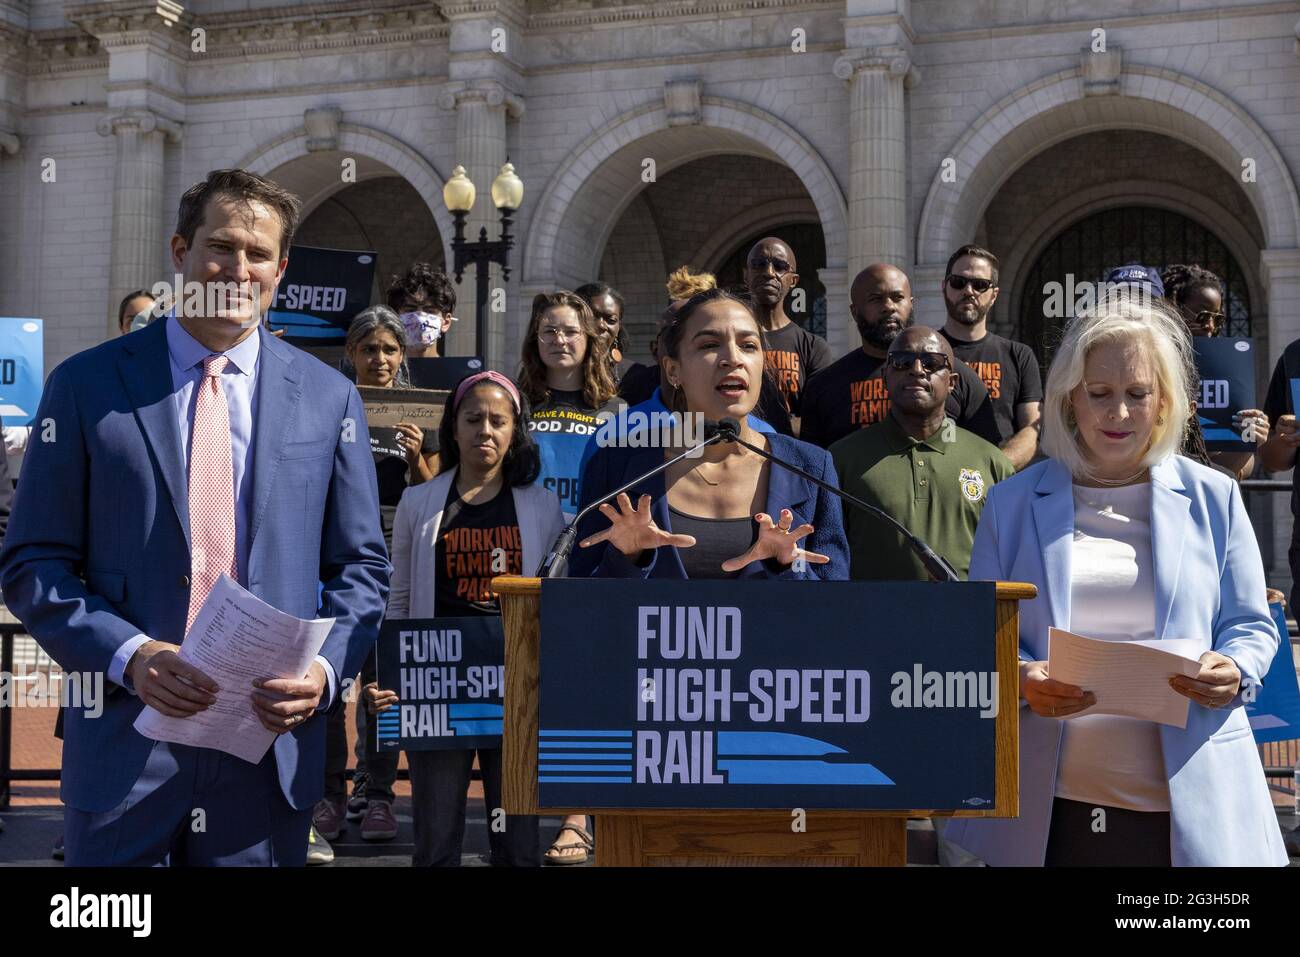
1093	246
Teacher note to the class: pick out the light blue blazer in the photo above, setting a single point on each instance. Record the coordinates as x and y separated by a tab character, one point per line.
1209	584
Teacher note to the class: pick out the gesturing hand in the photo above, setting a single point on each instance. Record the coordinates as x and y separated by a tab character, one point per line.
778	541
291	701
165	682
1215	685
1047	696
632	530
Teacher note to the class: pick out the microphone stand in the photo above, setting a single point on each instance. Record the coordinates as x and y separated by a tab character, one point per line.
556	563
938	567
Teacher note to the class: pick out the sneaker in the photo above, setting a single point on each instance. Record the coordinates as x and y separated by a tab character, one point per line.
357	803
318	849
328	818
379	823
57	853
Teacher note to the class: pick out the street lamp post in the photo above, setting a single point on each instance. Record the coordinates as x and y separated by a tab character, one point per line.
458	195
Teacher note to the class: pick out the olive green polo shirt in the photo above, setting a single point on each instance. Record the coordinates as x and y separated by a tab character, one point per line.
936	488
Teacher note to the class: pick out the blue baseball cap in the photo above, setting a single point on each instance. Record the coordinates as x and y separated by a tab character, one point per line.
1138	276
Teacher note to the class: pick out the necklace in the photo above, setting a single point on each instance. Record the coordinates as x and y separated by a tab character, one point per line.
697	470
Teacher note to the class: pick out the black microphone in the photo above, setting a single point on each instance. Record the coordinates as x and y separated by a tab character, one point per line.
934	563
556	562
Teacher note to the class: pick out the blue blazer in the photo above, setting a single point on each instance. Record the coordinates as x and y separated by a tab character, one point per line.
613	467
107	501
1209	583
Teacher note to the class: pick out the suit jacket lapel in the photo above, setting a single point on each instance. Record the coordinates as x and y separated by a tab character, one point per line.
784	488
145	367
1054	524
279	387
1169	512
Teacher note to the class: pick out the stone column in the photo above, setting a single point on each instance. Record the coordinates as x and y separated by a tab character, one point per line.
481	112
877	155
137	201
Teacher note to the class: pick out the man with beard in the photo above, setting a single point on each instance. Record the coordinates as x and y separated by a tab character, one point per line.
851	393
792	353
1008	369
916	466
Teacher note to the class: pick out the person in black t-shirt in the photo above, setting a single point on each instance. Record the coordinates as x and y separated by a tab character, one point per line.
1009	370
607	306
793	354
484	515
376	348
1278	453
850	393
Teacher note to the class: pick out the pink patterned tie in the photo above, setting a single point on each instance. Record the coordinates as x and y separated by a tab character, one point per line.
212	492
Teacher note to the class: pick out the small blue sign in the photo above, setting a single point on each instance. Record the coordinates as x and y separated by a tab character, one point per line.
1227	373
449	675
322	290
22	369
1275	714
767	694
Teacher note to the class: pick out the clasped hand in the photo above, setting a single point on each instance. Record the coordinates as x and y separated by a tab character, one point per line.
632	530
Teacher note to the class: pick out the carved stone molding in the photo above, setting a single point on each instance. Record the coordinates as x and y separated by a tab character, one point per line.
139	121
1101	71
322	126
492	92
894	60
682	101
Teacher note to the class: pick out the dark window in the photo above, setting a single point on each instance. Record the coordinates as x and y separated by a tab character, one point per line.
810	250
1095	245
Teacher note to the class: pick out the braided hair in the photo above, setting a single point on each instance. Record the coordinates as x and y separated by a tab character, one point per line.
1179	280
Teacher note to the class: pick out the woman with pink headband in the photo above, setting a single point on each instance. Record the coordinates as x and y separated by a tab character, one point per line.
481	516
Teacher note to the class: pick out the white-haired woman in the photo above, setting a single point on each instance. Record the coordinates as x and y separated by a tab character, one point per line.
1128	541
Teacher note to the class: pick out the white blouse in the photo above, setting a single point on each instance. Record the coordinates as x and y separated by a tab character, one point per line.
1111	759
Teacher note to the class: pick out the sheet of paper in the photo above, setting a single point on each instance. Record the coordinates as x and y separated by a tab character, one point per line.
1128	677
237	637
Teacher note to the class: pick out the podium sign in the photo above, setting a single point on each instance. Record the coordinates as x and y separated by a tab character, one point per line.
767	694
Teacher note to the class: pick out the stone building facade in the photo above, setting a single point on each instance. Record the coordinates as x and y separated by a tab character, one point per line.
649	135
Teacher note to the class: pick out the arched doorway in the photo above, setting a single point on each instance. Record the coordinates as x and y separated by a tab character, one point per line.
1086	250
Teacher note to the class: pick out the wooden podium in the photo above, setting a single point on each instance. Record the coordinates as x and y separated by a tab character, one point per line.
674	838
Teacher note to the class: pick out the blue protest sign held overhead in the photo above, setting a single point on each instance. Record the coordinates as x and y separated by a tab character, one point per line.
322	290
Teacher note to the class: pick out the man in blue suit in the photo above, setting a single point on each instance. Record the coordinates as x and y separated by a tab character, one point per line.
126	515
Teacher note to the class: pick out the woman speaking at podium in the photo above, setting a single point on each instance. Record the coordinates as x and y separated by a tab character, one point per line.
729	513
1128	541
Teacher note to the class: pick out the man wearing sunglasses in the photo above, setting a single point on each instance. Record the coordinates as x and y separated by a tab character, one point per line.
918	466
850	394
792	353
1009	369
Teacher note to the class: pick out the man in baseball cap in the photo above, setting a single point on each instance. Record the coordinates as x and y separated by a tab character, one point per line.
1140	278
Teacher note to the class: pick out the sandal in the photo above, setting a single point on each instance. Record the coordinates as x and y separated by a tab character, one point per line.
585	842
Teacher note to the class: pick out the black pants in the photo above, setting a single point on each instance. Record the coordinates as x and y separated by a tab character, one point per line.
381	766
1115	837
439	786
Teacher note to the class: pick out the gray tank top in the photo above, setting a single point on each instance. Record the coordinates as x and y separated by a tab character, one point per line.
716	540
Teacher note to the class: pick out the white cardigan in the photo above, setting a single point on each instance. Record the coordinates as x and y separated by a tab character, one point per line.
415	538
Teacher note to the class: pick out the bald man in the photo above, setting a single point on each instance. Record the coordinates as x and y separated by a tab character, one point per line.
792	353
917	465
852	394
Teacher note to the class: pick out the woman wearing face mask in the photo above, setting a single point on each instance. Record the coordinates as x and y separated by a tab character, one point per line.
485	499
425	299
376	349
1128	541
728	513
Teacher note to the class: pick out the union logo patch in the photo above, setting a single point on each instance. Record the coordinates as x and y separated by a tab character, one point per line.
972	484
